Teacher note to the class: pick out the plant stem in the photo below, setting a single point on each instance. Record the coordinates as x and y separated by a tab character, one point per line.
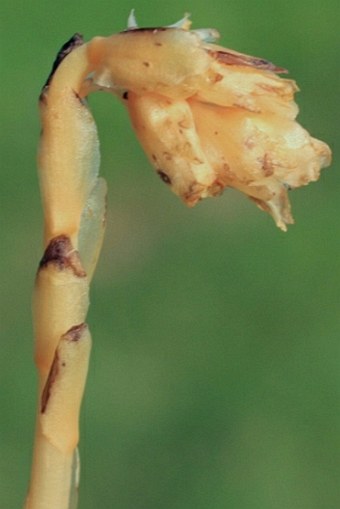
74	209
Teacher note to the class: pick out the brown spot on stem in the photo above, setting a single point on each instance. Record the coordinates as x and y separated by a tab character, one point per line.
61	253
46	393
75	41
75	333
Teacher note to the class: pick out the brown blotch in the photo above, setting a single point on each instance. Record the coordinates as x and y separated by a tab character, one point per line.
267	165
46	393
227	58
75	333
146	64
73	43
217	187
194	194
164	176
218	77
213	76
61	253
226	175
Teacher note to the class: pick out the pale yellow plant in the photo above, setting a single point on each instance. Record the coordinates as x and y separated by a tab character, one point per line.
208	118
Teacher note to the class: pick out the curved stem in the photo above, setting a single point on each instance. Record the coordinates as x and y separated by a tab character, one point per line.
74	218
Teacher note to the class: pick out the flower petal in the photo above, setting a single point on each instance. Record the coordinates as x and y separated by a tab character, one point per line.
166	130
251	88
261	155
167	61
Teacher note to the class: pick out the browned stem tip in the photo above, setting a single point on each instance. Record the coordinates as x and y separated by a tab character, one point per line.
75	41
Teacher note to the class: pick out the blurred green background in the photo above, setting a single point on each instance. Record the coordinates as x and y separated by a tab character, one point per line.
214	379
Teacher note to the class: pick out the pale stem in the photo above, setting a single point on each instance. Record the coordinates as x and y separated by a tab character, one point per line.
74	211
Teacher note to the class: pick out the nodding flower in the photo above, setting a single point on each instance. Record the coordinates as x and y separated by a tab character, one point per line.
209	117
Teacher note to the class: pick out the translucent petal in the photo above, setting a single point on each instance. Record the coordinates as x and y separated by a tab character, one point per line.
92	226
132	22
183	23
207	34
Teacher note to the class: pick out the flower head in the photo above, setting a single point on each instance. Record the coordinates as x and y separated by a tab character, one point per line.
209	117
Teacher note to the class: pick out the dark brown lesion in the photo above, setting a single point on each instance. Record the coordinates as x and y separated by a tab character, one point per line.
164	177
234	58
61	253
75	333
73	43
46	393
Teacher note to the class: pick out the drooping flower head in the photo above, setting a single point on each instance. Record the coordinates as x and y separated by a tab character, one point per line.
209	117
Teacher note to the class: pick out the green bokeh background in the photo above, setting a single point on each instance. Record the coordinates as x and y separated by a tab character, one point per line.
214	379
